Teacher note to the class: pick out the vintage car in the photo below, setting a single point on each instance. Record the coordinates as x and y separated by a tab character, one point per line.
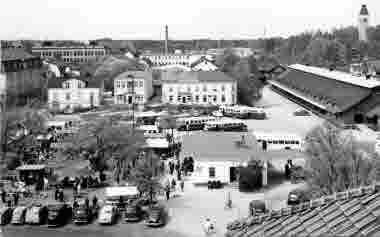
5	215
298	196
36	215
133	212
156	216
82	214
59	214
107	215
18	215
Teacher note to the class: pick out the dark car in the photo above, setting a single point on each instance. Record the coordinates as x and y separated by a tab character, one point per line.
301	112
59	214
5	215
298	196
82	214
156	216
133	212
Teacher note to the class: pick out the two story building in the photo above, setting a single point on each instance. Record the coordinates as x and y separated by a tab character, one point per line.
133	87
201	87
74	92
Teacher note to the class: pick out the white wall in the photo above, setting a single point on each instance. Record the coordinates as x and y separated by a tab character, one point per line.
143	87
222	171
78	97
196	88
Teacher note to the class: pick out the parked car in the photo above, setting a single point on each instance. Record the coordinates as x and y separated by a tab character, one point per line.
5	215
36	214
18	215
133	212
156	216
298	196
302	112
59	214
82	214
107	215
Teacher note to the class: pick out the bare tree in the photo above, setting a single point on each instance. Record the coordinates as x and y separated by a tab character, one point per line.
338	162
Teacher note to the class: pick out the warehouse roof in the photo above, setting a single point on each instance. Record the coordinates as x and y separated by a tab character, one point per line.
355	212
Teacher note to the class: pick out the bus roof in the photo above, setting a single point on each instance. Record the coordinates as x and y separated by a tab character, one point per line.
225	120
148	127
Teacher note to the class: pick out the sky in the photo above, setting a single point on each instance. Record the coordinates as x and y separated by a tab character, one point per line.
191	19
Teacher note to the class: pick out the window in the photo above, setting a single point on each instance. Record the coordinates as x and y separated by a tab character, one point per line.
211	172
120	98
171	98
205	98
67	96
141	83
223	98
197	98
188	89
197	88
55	96
223	88
170	89
118	84
179	98
215	98
204	88
66	85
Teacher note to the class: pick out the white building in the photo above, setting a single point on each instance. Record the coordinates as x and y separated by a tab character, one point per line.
214	88
71	93
77	54
133	87
363	23
185	59
220	158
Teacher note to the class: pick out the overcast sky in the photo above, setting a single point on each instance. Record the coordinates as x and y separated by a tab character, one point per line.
143	19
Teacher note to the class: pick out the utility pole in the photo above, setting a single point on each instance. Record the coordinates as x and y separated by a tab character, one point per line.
133	105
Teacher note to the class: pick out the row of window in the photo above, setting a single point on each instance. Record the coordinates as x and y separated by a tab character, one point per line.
68	96
72	53
129	99
170	57
129	84
77	60
189	98
67	85
204	88
16	66
281	142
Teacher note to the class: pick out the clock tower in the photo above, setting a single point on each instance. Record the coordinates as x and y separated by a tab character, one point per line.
363	24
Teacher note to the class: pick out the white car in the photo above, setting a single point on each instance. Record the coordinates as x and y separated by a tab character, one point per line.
107	215
36	215
18	217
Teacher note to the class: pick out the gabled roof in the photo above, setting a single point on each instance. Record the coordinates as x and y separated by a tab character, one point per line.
134	74
355	212
11	54
214	146
199	76
202	59
91	82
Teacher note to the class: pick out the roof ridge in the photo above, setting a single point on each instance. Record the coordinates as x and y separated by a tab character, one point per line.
310	205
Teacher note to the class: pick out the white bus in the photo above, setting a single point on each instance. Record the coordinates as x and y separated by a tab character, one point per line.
226	125
243	112
150	131
271	141
193	123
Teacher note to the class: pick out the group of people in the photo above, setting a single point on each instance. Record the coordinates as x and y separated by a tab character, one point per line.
288	169
83	183
7	198
86	202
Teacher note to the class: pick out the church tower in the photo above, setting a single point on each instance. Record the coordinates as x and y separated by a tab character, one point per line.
363	24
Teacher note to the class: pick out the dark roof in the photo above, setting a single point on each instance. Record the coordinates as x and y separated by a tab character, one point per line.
214	146
11	54
199	76
324	90
91	82
354	212
364	10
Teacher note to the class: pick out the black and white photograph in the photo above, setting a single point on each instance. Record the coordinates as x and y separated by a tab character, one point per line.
190	118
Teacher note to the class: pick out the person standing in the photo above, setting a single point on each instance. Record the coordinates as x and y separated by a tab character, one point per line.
3	195
182	184
167	192
16	197
174	183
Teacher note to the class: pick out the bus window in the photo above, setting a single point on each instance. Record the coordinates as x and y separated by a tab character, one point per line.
281	142
297	142
287	142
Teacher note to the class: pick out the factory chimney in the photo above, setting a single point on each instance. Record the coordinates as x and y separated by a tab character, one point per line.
166	39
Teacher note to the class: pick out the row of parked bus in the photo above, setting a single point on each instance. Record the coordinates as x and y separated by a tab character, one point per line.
242	112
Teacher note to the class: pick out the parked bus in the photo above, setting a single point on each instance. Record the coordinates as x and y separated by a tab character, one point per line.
226	125
243	112
271	141
148	118
193	123
150	131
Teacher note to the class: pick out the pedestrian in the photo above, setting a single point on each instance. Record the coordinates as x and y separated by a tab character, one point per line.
182	184
170	167
16	197
287	171
173	184
167	191
79	186
61	195
87	203
178	175
56	193
94	201
3	195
